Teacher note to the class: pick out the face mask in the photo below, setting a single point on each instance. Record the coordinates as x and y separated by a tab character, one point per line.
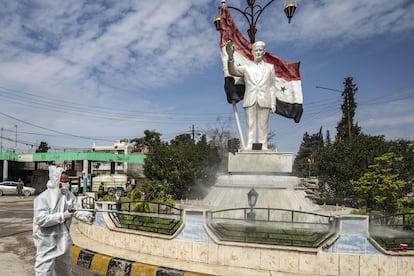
65	187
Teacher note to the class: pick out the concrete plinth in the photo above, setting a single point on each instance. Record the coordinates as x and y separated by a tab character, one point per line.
269	172
260	162
275	191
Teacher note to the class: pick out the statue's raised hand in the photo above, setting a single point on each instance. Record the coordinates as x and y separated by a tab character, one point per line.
229	48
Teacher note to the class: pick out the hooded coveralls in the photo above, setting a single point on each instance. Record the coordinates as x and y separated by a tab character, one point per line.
50	229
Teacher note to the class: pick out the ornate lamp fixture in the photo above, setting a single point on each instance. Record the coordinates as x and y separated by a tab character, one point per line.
290	9
252	196
217	20
252	13
250	2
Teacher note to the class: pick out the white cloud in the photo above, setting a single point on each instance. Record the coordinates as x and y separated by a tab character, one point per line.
338	22
126	56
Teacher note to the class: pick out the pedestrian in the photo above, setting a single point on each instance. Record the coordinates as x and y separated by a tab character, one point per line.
101	190
19	187
53	210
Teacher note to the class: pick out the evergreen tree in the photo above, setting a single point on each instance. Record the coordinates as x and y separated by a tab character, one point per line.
328	138
346	127
311	144
145	144
43	147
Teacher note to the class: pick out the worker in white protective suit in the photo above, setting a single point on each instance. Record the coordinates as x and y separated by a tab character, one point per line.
53	210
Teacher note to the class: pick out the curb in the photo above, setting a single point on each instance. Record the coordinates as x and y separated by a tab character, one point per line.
108	265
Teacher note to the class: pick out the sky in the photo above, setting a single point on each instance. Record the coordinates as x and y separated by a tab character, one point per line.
75	73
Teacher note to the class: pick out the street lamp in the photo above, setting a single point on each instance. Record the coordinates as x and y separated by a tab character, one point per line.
310	162
252	196
252	13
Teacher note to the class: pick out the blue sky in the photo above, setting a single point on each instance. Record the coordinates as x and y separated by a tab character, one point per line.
74	73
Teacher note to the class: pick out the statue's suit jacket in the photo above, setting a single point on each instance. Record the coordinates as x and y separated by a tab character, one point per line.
260	84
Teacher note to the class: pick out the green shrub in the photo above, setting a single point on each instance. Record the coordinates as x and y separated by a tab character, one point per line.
141	207
135	194
359	211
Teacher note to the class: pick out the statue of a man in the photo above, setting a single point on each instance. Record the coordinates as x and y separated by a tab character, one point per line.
260	92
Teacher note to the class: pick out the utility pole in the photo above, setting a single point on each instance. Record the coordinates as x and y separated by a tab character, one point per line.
349	115
15	142
1	141
193	131
347	106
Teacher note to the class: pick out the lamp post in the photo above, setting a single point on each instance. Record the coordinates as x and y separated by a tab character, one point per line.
252	196
253	12
310	162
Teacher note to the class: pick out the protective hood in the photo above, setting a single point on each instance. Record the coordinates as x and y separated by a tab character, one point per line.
53	185
54	177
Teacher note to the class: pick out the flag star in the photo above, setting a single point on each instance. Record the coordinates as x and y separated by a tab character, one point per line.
283	89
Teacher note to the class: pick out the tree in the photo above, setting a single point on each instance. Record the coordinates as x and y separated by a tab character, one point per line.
181	167
346	127
380	187
342	163
270	137
310	145
220	134
328	138
145	144
43	147
405	168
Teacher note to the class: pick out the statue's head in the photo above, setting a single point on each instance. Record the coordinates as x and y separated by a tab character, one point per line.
258	50
259	44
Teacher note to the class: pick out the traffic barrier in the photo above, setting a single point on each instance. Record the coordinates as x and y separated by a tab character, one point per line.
107	265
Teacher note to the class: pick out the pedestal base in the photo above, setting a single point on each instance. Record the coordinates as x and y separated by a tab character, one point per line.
260	162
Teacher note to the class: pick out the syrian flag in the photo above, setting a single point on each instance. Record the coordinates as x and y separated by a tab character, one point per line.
288	82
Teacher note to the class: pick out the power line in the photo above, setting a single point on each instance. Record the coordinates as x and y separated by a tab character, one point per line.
104	112
48	129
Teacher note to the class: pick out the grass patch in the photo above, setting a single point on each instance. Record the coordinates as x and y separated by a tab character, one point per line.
269	235
393	232
149	224
394	243
390	238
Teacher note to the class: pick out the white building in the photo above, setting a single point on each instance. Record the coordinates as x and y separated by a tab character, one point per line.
99	167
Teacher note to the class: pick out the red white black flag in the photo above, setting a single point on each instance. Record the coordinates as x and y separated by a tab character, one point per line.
289	97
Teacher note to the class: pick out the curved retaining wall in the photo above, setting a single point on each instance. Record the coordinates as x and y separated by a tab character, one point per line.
107	265
219	258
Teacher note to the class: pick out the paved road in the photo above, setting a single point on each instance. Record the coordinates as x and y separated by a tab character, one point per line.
17	251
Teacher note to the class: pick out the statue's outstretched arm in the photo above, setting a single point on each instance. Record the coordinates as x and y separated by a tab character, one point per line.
230	61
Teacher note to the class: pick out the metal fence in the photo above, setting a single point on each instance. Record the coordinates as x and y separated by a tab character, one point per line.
271	226
393	231
88	202
271	215
146	216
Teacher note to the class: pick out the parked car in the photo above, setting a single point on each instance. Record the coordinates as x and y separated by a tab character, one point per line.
10	188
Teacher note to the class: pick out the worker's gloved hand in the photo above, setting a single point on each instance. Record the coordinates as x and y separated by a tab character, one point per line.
90	218
67	215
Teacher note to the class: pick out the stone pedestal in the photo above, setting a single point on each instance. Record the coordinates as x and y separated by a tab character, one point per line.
269	173
260	162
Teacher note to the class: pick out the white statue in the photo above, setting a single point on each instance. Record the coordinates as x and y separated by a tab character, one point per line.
260	92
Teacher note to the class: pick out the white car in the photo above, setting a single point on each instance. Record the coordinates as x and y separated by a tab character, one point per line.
10	188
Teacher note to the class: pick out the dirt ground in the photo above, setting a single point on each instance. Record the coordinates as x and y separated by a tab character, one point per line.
17	251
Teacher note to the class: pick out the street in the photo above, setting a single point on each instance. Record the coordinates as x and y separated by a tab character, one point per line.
16	244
